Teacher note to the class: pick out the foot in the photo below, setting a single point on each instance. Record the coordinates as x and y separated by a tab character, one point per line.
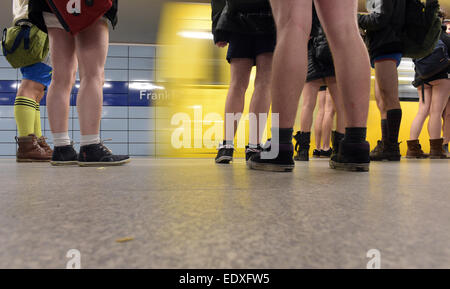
43	144
282	163
99	155
302	146
352	157
225	154
386	151
249	152
64	156
326	154
30	151
316	153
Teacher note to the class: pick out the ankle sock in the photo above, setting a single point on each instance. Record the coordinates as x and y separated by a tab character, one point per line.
285	135
394	119
61	139
25	115
89	139
355	134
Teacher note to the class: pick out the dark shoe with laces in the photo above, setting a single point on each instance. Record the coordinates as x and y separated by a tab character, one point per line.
336	138
64	156
377	153
249	152
386	151
225	154
284	162
326	154
95	155
352	157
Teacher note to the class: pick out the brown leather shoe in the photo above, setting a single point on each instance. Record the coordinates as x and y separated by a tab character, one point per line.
415	150
30	151
436	150
43	144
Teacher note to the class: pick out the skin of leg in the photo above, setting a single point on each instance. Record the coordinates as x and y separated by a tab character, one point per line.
240	77
327	124
31	89
379	100
91	49
310	92
422	113
260	103
446	125
351	58
439	101
64	64
386	76
293	19
339	105
319	118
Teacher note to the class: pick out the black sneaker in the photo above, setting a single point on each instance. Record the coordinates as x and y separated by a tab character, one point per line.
64	156
352	157
317	153
95	155
326	154
284	162
225	154
249	152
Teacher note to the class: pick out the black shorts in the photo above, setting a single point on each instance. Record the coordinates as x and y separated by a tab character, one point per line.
250	46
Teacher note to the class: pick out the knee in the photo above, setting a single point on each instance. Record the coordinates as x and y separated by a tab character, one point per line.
64	79
238	88
94	75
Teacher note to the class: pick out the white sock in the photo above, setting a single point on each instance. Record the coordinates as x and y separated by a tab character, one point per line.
90	139
61	139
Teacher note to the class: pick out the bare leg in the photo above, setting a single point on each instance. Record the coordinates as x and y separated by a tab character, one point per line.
260	103
240	77
327	124
310	92
64	63
387	79
422	114
290	61
338	100
438	103
91	49
319	118
352	65
446	126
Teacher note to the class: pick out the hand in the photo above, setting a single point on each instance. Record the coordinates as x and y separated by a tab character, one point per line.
222	44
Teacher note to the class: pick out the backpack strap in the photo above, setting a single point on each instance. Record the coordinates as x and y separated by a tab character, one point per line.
24	35
423	90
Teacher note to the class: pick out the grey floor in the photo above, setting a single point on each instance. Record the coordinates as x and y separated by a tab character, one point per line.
195	214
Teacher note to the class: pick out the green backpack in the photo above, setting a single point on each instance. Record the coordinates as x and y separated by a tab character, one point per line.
24	45
422	28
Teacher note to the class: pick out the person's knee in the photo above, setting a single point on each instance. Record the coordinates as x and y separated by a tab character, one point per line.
93	75
30	89
64	79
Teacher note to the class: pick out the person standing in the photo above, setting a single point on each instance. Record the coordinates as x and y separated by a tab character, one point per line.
36	78
351	61
87	51
383	26
248	28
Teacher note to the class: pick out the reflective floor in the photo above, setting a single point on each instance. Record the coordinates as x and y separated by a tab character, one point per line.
195	214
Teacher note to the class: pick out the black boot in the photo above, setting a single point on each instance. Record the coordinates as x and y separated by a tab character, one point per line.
302	146
336	138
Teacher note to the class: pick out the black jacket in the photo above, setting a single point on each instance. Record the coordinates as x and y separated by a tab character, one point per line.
320	59
383	26
37	7
241	16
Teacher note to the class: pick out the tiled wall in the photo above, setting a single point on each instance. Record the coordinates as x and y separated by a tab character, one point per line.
128	117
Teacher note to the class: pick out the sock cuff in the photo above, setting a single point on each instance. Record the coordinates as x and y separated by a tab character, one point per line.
25	101
61	139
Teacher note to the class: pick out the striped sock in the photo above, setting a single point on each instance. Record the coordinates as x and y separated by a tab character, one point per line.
25	114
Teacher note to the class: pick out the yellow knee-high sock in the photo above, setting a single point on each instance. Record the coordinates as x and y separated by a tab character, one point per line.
37	122
25	114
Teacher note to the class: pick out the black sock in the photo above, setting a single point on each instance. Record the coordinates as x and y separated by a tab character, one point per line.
394	119
384	129
355	134
285	135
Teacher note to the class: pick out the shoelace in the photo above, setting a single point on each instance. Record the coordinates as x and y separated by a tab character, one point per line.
105	148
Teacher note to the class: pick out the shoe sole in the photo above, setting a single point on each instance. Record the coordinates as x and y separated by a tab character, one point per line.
103	164
389	159
270	167
62	164
224	160
31	161
350	167
416	158
298	159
